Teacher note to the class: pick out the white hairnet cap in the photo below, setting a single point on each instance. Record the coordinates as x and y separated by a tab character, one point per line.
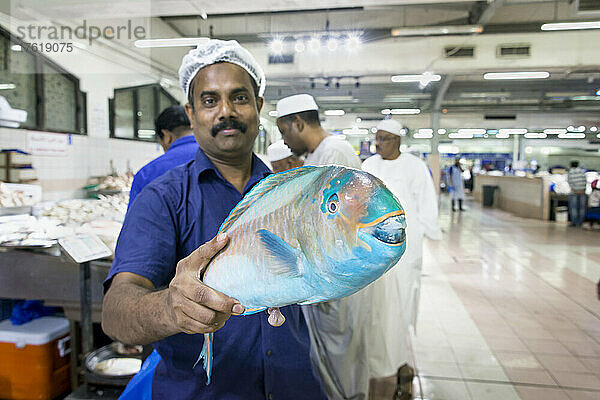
214	51
391	126
296	104
278	151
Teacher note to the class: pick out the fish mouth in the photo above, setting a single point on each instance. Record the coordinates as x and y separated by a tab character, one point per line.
389	229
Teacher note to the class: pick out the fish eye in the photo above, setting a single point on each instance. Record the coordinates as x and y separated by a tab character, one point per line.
333	204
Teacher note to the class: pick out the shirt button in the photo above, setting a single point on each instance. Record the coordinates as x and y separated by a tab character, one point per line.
270	396
269	352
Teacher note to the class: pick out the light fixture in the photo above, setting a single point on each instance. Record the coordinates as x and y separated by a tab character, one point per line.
16	47
555	131
581	128
566	26
334	112
483	95
437	30
146	133
459	135
358	120
585	98
598	135
314	44
374	129
516	75
7	86
334	98
502	136
353	42
299	46
401	111
598	92
519	131
546	150
593	129
355	131
528	150
423	133
535	135
276	46
570	128
332	44
441	131
571	136
425	77
426	131
470	131
175	42
273	113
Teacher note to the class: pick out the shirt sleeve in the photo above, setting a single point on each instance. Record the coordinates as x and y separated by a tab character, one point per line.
340	157
136	187
147	244
428	206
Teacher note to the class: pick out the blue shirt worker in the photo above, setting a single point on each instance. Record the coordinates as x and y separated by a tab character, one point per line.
175	135
154	288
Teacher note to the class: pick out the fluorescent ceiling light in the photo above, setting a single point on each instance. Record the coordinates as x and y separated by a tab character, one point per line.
484	95
502	136
422	136
145	133
519	131
175	42
7	86
276	46
535	135
334	98
332	44
571	136
441	131
566	94
314	44
273	113
469	131
571	128
516	75
437	30
566	26
554	131
598	136
334	112
299	47
593	129
401	111
355	131
416	78
353	42
426	131
456	135
16	47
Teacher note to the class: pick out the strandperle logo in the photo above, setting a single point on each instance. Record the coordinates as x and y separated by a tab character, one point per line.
33	32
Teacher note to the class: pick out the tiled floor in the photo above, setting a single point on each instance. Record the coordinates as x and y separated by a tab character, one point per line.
509	310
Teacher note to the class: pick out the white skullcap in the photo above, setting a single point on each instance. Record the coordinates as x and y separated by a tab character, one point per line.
215	51
278	151
296	104
391	126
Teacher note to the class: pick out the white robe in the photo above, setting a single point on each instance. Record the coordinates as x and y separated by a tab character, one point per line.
338	328
395	295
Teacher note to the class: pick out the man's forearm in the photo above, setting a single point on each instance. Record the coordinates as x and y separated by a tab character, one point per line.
133	314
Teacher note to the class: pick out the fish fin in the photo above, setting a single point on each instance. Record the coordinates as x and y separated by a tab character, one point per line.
206	356
250	311
265	185
285	255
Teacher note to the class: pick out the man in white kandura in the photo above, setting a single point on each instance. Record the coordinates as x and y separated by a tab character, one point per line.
281	157
396	294
337	328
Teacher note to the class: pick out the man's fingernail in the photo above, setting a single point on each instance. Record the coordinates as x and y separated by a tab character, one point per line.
222	237
238	309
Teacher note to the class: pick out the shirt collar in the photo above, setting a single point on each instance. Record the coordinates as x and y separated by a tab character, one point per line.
182	141
203	164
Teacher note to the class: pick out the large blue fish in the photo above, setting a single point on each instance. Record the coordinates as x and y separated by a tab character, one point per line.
304	236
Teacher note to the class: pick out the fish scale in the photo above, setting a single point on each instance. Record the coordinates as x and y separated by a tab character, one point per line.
304	236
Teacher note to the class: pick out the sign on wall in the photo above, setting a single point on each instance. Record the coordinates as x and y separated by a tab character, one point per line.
47	144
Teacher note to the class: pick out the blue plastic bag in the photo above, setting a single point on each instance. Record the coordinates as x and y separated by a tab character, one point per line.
25	311
140	386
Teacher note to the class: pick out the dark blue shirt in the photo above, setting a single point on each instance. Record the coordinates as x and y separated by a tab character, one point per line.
181	151
171	217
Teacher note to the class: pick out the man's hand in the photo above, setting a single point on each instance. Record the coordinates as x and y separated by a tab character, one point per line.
192	306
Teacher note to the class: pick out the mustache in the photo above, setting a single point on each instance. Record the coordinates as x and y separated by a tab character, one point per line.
229	124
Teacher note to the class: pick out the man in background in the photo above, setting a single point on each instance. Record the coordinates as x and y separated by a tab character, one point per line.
456	185
337	328
281	157
577	197
395	296
176	137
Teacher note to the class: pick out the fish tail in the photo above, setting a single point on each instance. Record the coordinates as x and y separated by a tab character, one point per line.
206	356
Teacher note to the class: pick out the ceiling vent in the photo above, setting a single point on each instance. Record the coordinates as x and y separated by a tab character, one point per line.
583	7
459	52
513	50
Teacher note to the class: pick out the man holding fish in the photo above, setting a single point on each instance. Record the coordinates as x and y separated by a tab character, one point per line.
154	293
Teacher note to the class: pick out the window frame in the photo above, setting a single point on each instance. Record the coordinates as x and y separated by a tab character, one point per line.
40	60
157	90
